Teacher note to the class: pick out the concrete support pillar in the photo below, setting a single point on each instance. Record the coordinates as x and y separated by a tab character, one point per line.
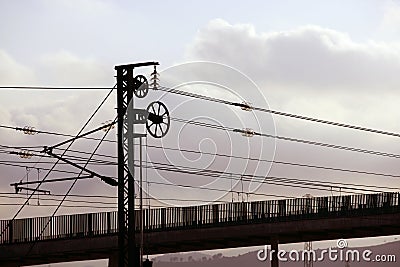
274	247
113	260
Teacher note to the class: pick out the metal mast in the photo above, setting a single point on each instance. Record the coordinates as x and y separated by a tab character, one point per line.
128	249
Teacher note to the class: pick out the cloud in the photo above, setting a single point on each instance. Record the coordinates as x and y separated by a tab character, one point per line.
12	72
310	70
317	72
309	56
391	18
66	69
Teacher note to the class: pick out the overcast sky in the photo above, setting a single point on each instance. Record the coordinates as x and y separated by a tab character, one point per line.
335	60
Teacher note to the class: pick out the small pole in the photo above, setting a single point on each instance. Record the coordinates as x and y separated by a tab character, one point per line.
27	180
231	188
274	247
141	203
38	175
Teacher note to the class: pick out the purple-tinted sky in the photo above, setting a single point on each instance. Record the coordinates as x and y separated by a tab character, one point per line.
337	61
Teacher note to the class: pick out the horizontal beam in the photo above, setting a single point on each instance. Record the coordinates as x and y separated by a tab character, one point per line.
142	64
52	180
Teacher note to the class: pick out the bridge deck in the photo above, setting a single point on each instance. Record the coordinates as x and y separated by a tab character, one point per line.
93	235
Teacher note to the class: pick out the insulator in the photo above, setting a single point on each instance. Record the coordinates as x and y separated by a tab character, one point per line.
155	79
246	106
248	132
29	130
109	127
25	154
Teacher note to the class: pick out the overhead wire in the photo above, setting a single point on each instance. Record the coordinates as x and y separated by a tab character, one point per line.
226	102
293	139
54	165
308	142
275	112
73	183
315	181
57	87
203	172
200	171
245	158
284	138
271	180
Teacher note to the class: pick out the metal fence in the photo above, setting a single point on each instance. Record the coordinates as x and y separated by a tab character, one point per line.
161	219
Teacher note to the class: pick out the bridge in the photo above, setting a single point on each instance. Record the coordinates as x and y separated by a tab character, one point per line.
91	236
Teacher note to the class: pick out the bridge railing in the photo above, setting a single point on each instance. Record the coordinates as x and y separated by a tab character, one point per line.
271	210
105	223
64	226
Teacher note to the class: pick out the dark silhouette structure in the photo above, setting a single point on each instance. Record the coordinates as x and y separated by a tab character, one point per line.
214	226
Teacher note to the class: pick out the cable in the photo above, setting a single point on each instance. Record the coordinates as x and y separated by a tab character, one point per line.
261	160
295	164
53	205
48	173
290	139
285	114
46	169
219	190
46	198
67	200
72	185
353	149
236	174
203	173
278	162
291	182
338	124
51	133
2	195
55	88
203	124
216	100
219	127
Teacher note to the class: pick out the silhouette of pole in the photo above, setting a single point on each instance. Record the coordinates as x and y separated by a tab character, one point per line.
275	249
127	85
308	261
141	202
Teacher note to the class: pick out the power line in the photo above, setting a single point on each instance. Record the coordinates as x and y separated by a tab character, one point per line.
56	87
49	171
42	168
232	156
67	200
231	174
49	133
284	138
47	198
279	162
308	142
217	100
275	112
292	182
75	181
295	164
218	189
260	160
54	205
236	174
282	181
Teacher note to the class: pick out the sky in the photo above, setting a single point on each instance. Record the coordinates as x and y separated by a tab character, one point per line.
335	60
